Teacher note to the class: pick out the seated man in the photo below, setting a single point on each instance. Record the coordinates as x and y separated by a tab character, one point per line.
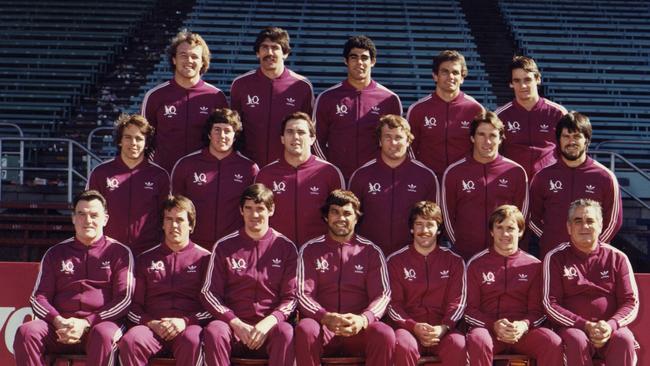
343	290
504	307
82	292
590	291
250	288
166	310
427	285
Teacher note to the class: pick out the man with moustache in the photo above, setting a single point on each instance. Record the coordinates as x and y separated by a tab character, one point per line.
250	288
590	292
264	96
428	293
134	187
215	177
347	113
575	175
83	290
343	291
300	181
166	311
504	307
178	108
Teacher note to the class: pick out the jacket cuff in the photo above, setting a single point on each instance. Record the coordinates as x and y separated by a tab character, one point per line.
227	316
370	315
92	318
279	316
613	324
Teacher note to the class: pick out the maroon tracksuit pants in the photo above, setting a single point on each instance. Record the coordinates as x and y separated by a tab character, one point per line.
541	343
36	338
618	351
220	344
140	343
451	349
376	343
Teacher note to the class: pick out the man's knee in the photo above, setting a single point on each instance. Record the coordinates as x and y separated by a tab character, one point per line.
307	329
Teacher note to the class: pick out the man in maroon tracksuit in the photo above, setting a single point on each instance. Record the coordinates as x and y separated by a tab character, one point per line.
428	293
475	185
343	291
250	288
530	119
300	181
575	175
178	108
264	96
440	121
590	292
83	290
214	178
133	186
347	113
390	184
166	310
504	305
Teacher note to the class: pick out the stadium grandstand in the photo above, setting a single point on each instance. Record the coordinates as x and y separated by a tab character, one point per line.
69	68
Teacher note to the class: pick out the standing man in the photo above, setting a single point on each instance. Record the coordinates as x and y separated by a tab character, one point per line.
250	288
133	186
178	108
346	114
475	185
343	290
166	310
390	184
590	292
504	307
440	121
215	177
300	181
263	97
82	292
428	293
529	118
575	175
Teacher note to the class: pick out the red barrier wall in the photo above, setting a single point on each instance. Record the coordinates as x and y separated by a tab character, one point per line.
17	281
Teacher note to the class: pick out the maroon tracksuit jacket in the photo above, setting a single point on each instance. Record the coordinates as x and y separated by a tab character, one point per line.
471	191
298	194
250	279
426	289
168	285
504	287
530	135
262	104
580	287
554	188
342	277
346	120
441	129
134	200
91	282
387	195
179	114
215	187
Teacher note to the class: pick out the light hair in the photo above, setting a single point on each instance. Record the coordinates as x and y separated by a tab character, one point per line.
193	39
394	121
585	202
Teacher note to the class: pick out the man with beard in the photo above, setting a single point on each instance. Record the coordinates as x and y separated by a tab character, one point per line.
343	291
264	96
575	175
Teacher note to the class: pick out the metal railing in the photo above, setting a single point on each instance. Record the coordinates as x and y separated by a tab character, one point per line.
20	152
613	157
89	147
69	169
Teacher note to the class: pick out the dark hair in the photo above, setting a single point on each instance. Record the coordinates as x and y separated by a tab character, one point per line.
182	203
525	63
341	197
490	118
504	211
361	42
394	121
426	209
124	120
299	115
222	115
274	34
258	193
88	196
574	122
193	39
449	55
